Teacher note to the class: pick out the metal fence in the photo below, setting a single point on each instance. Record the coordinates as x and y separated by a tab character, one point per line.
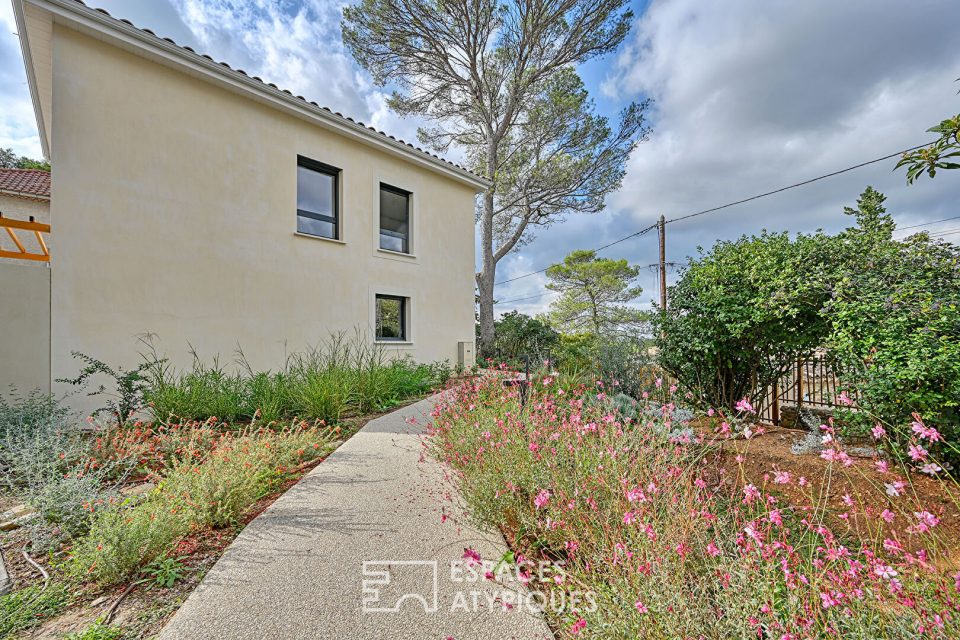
811	383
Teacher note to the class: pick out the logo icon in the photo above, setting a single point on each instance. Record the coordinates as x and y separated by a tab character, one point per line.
387	584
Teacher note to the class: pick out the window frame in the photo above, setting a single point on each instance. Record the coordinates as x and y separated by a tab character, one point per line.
404	317
336	174
408	240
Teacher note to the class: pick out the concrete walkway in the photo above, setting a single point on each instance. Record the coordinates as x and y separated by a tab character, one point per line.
298	570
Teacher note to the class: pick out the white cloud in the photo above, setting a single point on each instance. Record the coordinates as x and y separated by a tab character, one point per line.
752	95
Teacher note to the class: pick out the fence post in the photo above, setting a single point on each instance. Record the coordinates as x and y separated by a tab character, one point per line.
799	386
775	409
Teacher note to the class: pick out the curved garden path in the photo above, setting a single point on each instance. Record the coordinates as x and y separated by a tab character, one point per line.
297	570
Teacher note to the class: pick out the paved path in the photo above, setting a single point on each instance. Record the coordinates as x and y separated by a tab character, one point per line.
297	571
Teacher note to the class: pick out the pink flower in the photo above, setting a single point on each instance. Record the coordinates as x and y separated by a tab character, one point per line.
629	517
578	626
472	556
895	488
844	399
931	468
750	493
927	520
878	432
640	606
881	465
917	453
636	495
885	571
775	517
713	549
542	498
828	600
781	477
744	405
928	433
888	515
533	446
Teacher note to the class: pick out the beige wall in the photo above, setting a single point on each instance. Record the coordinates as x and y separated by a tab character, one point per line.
174	209
24	327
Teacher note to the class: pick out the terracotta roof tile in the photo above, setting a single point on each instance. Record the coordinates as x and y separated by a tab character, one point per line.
30	183
270	84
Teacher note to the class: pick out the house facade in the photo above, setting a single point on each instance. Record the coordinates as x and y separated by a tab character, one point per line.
208	208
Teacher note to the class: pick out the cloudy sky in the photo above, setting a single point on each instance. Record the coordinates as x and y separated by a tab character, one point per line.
750	95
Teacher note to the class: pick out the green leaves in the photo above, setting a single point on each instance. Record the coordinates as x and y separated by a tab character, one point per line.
944	153
595	293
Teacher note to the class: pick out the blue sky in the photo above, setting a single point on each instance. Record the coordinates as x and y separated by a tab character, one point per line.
750	95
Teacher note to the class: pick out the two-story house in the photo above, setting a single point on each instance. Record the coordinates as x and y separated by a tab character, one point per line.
194	202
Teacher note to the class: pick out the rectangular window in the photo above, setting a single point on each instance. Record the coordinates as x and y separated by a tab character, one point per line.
317	199
391	318
394	219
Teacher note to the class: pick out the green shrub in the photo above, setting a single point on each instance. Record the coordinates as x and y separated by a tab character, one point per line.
30	606
337	378
741	314
46	460
125	538
895	315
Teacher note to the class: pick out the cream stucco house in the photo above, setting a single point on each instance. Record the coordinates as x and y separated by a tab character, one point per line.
197	203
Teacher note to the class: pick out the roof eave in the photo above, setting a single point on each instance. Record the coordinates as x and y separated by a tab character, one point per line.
31	76
24	195
85	18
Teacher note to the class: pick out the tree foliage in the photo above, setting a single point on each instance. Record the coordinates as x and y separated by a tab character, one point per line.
944	153
498	80
519	335
10	160
741	314
887	311
895	322
594	294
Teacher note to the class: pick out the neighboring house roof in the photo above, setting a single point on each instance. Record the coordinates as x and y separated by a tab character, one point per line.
124	33
26	183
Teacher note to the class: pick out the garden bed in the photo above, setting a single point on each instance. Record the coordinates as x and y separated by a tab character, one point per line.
131	514
680	533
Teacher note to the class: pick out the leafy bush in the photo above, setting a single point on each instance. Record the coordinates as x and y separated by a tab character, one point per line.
519	335
125	538
895	316
743	313
125	399
97	631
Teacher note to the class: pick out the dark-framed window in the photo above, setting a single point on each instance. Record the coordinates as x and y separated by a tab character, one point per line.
318	199
391	316
394	219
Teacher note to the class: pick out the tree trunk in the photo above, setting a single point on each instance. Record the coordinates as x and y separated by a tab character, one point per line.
486	277
488	266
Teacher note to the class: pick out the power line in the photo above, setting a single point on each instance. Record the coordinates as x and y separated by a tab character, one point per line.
948	232
798	184
539	295
927	224
597	250
738	202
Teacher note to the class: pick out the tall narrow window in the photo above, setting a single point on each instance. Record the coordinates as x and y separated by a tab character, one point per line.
391	318
317	194
394	219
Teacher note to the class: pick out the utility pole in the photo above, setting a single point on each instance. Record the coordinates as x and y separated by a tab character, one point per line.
662	229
